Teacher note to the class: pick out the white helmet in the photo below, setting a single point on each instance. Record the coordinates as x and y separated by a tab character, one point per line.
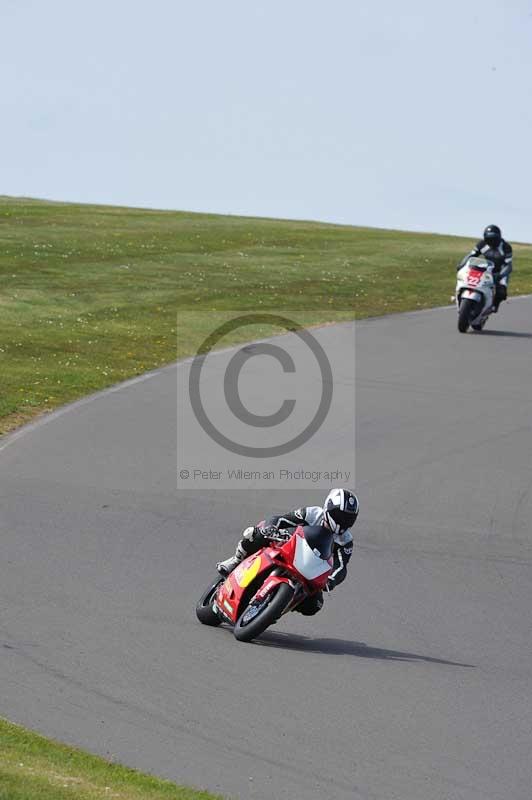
340	509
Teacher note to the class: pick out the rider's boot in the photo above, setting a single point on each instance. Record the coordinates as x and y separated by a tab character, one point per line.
501	295
227	566
250	542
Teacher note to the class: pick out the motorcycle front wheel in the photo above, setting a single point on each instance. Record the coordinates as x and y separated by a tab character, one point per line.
261	614
204	610
466	313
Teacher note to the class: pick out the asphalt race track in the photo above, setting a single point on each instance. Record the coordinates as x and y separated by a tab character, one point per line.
413	683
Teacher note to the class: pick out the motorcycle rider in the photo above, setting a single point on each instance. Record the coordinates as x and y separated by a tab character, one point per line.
493	247
338	514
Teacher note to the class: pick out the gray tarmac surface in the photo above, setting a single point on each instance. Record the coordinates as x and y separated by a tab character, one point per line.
413	683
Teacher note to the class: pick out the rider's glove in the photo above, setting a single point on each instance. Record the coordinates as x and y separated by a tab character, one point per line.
250	533
274	534
268	532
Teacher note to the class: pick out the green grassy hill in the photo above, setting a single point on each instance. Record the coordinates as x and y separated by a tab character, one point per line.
35	768
91	295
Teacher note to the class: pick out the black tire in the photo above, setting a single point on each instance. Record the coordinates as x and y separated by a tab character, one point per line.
274	605
465	314
204	610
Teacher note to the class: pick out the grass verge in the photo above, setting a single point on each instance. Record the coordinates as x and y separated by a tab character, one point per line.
35	768
92	295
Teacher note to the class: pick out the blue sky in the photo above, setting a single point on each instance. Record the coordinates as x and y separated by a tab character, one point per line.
401	115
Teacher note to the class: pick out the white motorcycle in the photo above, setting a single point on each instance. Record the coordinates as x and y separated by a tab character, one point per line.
475	293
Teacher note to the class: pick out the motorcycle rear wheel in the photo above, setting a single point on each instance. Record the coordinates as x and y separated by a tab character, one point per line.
204	610
466	314
269	612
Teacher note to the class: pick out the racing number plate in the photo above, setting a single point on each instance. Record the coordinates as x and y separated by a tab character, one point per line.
475	276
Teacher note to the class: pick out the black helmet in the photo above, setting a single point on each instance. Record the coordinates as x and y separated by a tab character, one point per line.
340	510
492	235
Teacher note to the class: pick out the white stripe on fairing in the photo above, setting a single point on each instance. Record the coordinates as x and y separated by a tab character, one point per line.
307	562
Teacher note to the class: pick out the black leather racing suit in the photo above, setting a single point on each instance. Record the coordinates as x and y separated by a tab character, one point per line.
308	515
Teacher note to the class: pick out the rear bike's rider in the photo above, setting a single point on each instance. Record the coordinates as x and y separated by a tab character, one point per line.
493	247
338	514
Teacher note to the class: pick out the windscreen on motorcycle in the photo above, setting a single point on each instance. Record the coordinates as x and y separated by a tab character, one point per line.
319	539
479	263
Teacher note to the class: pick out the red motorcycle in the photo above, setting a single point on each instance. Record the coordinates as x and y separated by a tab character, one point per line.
270	583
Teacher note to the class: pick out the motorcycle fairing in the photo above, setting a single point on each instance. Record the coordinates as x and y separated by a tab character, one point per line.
229	595
247	571
297	562
308	563
475	282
